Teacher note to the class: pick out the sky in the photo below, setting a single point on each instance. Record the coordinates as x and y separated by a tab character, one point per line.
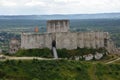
42	7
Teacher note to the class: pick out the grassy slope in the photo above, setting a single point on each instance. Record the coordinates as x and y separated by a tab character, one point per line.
58	70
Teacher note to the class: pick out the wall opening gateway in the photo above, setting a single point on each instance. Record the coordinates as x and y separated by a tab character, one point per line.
54	43
54	49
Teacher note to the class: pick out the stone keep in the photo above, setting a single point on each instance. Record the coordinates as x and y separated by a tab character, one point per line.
58	31
57	26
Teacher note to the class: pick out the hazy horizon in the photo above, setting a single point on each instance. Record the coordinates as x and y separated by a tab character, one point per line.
58	14
51	7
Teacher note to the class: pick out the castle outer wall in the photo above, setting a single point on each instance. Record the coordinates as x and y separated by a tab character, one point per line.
68	40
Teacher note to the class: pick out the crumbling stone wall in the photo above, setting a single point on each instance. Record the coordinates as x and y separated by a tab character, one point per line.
14	46
68	40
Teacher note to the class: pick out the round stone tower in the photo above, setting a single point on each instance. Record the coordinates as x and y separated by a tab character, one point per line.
14	46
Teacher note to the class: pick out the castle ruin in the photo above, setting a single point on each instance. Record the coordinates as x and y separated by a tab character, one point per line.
59	36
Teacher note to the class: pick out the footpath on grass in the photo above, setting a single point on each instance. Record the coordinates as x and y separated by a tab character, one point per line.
39	58
113	61
24	58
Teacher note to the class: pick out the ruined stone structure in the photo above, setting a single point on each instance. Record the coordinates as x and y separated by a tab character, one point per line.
57	26
58	33
14	46
68	40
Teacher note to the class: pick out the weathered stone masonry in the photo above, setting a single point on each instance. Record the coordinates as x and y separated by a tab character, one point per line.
58	31
57	26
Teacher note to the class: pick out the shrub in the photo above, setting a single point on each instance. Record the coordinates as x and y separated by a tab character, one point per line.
35	52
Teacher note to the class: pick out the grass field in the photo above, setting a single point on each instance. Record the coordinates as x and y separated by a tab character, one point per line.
58	70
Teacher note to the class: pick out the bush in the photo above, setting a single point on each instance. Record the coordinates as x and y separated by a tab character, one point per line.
35	52
64	53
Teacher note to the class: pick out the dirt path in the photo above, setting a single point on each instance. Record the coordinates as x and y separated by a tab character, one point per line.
113	61
27	58
92	72
39	58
